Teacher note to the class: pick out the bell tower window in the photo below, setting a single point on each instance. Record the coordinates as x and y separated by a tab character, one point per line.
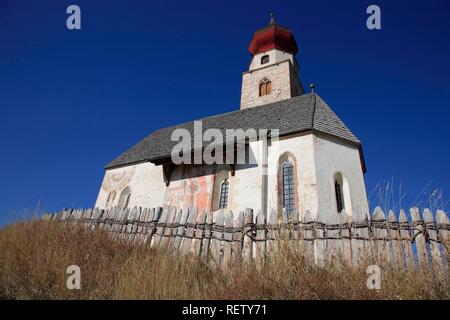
265	59
265	87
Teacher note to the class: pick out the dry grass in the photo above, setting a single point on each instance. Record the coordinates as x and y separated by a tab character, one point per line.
34	257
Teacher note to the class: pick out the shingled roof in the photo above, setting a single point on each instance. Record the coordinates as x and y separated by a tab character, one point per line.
298	114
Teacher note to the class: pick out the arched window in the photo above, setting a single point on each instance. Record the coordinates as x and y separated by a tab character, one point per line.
339	198
342	194
265	87
124	199
111	198
288	187
265	59
224	194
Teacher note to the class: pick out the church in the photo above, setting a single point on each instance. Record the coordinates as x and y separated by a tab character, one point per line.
318	162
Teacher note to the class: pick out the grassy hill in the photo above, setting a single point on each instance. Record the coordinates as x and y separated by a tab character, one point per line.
34	257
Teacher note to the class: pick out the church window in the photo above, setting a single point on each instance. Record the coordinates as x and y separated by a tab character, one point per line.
224	194
342	193
124	199
339	199
288	187
111	197
265	87
265	59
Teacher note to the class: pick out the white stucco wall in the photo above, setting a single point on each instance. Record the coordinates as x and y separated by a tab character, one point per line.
332	157
145	181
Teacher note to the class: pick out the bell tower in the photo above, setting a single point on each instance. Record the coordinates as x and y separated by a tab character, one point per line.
273	70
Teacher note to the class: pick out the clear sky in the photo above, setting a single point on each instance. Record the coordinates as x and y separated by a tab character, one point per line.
71	101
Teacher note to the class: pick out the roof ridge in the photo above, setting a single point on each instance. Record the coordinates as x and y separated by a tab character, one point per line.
314	108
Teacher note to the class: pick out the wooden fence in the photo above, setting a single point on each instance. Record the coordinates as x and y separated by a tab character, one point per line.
223	238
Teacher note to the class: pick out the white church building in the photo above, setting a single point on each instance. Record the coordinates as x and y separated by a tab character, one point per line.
319	163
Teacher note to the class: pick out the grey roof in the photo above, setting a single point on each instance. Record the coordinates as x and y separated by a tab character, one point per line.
298	114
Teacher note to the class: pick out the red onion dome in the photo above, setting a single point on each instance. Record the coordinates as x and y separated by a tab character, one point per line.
273	37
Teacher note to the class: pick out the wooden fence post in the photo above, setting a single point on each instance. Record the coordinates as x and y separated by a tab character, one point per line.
165	241
308	236
96	216
228	238
437	257
333	237
174	229
443	235
181	229
130	224
190	230
318	236
405	234
380	235
153	218
419	237
345	231
199	232
260	238
216	241
159	234
236	253
272	234
360	235
248	235
395	251
206	242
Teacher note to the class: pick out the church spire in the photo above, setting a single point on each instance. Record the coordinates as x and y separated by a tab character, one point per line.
273	72
272	19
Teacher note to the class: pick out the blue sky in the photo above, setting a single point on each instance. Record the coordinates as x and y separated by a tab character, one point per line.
71	101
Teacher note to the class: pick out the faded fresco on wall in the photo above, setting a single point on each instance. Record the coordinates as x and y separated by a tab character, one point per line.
189	187
116	180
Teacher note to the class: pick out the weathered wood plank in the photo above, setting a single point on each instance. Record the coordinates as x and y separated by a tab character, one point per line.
437	256
405	234
333	238
159	233
308	239
227	239
206	242
181	229
165	241
238	239
394	245
380	235
248	235
154	216
418	235
196	244
190	230
345	221
272	232
174	230
260	238
216	241
443	235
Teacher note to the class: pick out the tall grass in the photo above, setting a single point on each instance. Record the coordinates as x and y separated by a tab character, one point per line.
34	257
